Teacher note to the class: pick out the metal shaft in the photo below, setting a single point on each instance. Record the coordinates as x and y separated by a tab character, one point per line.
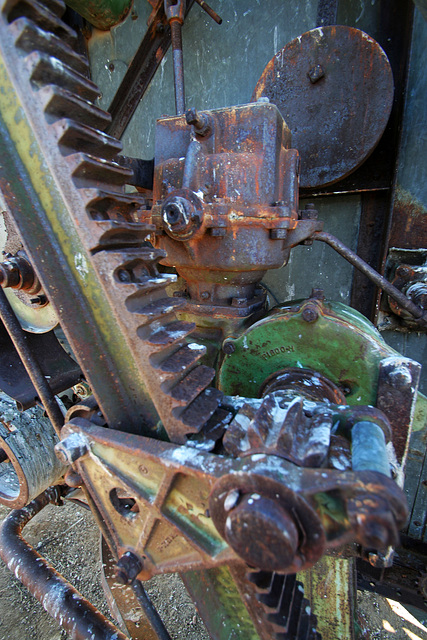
419	314
178	66
34	371
149	611
60	599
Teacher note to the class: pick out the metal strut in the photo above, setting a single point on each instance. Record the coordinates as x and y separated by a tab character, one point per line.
60	599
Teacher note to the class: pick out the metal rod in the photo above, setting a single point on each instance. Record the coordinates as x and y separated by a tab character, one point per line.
209	11
141	70
178	66
30	363
60	599
419	314
149	611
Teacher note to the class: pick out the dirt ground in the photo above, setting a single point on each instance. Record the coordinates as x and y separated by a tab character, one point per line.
69	538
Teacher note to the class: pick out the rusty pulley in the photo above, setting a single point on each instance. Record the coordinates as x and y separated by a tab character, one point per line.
334	88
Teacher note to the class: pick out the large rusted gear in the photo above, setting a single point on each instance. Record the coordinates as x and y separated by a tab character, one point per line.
51	83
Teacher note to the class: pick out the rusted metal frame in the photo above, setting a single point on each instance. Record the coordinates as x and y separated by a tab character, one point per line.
138	457
59	283
141	71
419	314
34	371
60	599
395	31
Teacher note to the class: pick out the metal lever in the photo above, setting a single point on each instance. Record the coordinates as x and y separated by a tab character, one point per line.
175	11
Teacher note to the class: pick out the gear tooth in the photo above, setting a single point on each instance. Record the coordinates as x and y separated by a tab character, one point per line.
288	611
47	70
107	205
156	310
170	334
74	137
262	580
119	235
29	37
183	359
195	416
192	384
59	102
87	170
47	17
271	599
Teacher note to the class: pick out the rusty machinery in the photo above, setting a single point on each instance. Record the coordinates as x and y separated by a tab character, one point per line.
224	440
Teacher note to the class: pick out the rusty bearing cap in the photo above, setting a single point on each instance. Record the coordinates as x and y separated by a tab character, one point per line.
262	533
182	214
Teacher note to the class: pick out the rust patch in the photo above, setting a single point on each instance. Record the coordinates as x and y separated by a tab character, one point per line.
409	230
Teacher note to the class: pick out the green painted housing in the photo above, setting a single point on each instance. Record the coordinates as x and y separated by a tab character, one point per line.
102	14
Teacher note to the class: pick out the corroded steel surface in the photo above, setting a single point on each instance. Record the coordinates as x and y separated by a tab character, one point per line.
336	110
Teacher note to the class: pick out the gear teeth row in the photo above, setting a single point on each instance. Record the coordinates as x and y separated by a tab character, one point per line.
47	16
88	170
45	69
72	135
286	608
28	36
60	103
108	221
108	205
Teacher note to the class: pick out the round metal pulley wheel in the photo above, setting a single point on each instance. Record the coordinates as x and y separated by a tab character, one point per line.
334	88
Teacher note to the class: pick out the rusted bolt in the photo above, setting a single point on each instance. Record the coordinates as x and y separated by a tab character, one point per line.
127	568
278	234
71	448
17	272
404	272
316	73
262	532
309	212
205	295
200	121
400	378
310	314
175	212
39	300
228	347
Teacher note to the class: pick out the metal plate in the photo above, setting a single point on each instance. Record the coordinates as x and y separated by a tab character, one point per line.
334	88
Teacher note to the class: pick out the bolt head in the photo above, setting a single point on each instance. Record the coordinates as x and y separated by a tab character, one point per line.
262	532
229	347
71	448
127	568
310	314
316	73
400	378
